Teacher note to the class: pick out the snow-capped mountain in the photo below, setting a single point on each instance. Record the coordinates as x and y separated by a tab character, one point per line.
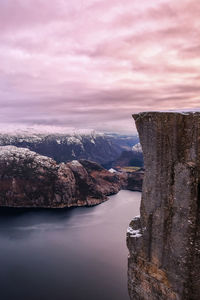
98	147
137	148
133	158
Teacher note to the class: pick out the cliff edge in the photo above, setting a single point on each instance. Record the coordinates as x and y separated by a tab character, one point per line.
164	242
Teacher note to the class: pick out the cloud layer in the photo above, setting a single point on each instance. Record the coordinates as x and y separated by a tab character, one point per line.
91	64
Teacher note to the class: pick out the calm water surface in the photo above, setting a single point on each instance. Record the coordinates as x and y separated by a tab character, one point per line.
70	254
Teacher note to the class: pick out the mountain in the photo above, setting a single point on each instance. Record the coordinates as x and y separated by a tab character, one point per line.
100	148
125	142
28	179
133	158
137	148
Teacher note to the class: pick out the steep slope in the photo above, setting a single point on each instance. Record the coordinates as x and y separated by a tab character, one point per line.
137	148
129	158
97	147
133	158
28	179
164	243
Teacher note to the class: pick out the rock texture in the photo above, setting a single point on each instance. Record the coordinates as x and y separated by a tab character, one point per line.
28	179
132	181
164	243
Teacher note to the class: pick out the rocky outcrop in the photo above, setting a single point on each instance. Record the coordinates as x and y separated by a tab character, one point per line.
164	242
132	181
28	179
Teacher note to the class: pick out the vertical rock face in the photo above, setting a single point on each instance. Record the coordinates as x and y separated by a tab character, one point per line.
164	243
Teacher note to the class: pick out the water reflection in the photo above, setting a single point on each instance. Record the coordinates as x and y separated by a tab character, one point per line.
73	254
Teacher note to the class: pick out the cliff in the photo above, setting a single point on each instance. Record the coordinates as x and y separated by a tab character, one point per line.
164	242
132	181
28	179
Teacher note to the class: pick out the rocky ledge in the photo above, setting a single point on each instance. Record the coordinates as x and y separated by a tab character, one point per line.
28	179
164	242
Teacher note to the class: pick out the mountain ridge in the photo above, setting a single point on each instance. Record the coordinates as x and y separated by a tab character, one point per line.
98	147
28	179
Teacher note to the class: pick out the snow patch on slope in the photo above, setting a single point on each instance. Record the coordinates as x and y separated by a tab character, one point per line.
134	233
137	148
12	153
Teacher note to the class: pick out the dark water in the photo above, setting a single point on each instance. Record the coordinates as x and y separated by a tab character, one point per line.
69	254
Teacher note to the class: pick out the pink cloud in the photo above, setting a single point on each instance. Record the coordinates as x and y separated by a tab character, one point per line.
94	63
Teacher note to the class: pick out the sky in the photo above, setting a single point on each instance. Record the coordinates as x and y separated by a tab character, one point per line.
92	64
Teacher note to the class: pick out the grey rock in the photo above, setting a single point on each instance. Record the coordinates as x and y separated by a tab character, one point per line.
164	257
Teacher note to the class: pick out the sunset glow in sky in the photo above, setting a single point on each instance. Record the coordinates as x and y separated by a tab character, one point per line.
91	64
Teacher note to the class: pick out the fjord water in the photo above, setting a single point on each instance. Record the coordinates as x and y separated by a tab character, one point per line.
68	254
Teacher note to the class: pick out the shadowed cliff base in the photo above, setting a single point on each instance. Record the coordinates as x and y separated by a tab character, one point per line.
164	243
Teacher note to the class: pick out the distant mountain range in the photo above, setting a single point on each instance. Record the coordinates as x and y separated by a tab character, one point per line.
133	158
97	147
